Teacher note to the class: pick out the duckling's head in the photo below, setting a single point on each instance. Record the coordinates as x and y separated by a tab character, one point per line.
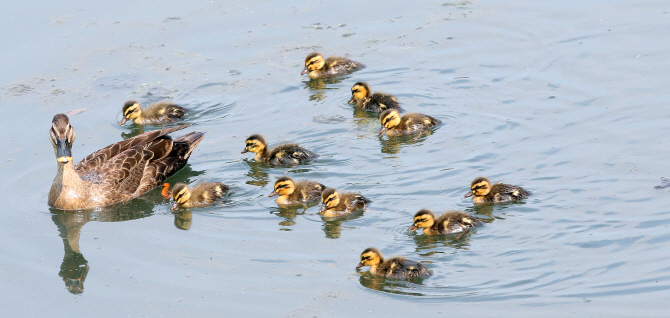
62	136
180	195
131	110
478	187
389	119
359	91
255	143
313	61
423	219
330	198
283	186
370	257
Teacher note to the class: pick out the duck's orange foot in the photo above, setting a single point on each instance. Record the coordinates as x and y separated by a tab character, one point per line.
166	191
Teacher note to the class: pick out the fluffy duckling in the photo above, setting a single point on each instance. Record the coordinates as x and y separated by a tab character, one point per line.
377	102
287	154
498	193
203	194
394	125
396	267
330	67
335	204
291	192
447	223
156	113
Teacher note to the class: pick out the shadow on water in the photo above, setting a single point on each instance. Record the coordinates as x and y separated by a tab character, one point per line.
320	84
392	145
332	226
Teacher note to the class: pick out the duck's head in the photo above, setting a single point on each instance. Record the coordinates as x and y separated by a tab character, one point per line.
423	219
370	257
389	119
283	186
313	61
131	110
180	195
255	143
62	136
359	91
330	198
478	187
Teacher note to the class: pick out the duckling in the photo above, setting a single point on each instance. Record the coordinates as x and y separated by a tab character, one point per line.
447	223
396	267
287	154
205	193
335	204
291	192
156	113
377	102
394	125
498	193
330	67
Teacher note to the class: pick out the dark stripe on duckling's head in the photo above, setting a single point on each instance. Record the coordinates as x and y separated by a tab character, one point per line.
423	219
283	186
255	143
480	186
130	107
180	193
310	56
370	257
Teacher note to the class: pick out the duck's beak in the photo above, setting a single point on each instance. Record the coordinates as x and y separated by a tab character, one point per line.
304	70
123	121
412	228
383	130
175	206
469	194
273	194
245	150
63	151
359	266
352	101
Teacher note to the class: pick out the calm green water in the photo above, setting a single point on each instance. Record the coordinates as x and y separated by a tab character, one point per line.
566	98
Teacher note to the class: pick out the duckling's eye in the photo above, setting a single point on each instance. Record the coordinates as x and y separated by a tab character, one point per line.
365	258
249	144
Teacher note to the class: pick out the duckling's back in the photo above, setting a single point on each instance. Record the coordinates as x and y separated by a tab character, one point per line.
501	193
208	192
163	111
400	267
379	102
290	154
413	123
455	222
354	201
308	190
336	66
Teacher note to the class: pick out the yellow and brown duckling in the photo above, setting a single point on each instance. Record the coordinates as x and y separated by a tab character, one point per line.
336	204
395	125
447	223
156	113
205	193
485	193
377	102
291	192
118	172
282	155
396	267
333	66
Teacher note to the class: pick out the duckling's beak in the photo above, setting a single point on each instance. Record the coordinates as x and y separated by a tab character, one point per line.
304	70
352	101
123	121
469	194
63	151
175	206
323	208
359	265
383	130
412	228
245	150
273	194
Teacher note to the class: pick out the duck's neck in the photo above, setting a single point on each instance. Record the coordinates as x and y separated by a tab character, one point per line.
68	190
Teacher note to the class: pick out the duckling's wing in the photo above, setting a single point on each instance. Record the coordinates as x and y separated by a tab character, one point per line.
98	158
516	192
343	65
175	112
404	268
379	102
290	154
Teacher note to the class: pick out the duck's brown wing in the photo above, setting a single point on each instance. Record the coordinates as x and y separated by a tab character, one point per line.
100	157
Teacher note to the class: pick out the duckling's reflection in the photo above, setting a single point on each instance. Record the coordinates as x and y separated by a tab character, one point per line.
257	172
289	213
392	145
320	84
393	286
134	131
332	226
182	219
427	243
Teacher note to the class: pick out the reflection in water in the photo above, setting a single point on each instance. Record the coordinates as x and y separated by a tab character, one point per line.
74	268
257	172
289	212
319	84
394	286
133	131
182	219
392	145
428	243
333	225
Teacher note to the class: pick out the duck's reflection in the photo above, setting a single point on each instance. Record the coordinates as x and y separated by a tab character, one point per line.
392	145
332	226
318	85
